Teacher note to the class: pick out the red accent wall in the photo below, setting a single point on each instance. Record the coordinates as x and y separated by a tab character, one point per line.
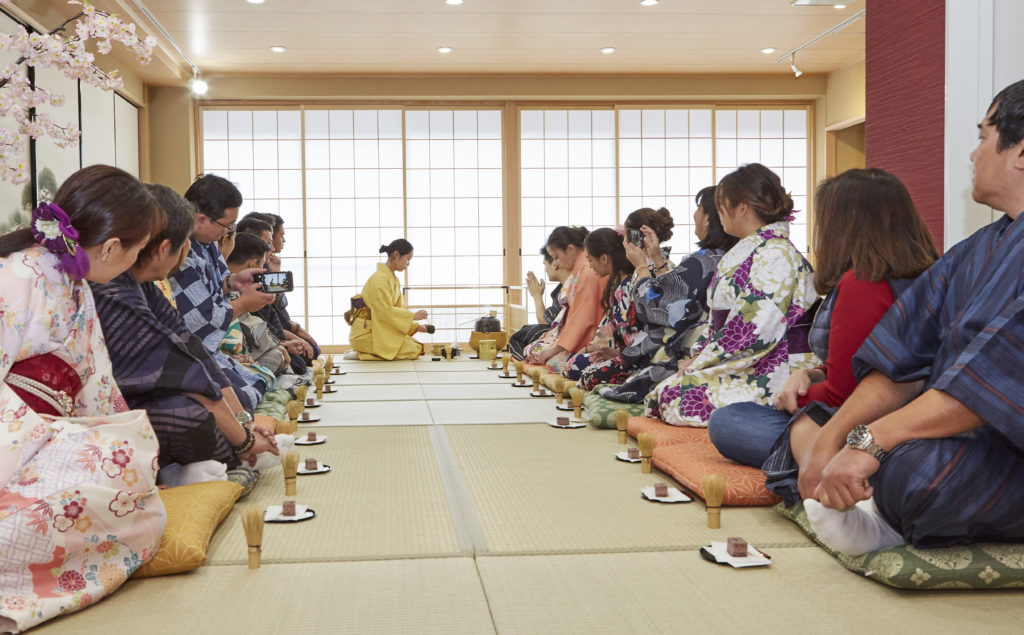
905	98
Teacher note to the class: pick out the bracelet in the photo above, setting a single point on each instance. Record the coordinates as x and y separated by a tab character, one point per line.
250	441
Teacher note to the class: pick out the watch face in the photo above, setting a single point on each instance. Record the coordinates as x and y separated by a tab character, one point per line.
857	436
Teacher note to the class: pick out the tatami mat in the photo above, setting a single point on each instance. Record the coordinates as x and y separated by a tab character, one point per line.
371	413
493	410
464	377
475	391
351	366
382	392
803	591
389	597
382	378
382	499
538	489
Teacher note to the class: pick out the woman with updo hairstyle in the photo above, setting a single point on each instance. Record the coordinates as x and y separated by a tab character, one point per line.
382	328
671	303
78	467
548	317
583	291
759	302
601	361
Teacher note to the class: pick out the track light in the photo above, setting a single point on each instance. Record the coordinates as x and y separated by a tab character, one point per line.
792	64
199	87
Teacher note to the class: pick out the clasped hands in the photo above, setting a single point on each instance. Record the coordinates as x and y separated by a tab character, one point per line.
837	479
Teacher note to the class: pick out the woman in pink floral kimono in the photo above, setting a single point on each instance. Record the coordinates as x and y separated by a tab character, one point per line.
79	510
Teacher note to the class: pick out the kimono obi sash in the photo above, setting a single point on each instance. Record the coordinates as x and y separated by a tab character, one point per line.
359	310
46	383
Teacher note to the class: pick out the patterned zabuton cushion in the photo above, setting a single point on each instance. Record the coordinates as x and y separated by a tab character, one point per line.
978	566
664	434
601	411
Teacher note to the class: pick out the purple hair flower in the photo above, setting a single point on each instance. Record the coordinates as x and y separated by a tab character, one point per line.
51	227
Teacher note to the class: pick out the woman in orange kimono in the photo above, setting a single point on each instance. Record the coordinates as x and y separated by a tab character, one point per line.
382	328
584	289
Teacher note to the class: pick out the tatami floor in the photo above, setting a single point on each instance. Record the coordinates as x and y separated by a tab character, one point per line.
452	508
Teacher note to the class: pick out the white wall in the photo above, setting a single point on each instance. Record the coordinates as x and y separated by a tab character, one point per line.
982	57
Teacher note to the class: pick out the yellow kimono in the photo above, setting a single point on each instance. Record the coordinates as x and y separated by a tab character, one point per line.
386	333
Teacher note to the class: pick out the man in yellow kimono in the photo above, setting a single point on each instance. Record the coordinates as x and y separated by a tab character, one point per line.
382	328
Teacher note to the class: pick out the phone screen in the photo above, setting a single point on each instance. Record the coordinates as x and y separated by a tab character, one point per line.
276	282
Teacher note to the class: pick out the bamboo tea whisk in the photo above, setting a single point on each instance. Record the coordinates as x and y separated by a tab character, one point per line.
252	524
519	370
560	391
286	426
318	381
621	421
535	376
505	359
330	363
576	394
300	393
290	465
714	492
295	408
645	440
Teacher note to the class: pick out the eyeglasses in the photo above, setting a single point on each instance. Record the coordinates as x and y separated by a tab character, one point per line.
230	228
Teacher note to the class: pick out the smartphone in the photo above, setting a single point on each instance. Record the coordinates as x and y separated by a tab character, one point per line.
276	282
636	237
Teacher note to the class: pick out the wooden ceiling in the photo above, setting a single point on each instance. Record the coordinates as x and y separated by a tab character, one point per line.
701	37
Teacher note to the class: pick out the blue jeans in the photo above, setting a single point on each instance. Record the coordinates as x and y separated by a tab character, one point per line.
746	432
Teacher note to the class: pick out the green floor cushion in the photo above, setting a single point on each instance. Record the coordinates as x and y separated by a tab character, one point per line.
600	412
978	566
273	404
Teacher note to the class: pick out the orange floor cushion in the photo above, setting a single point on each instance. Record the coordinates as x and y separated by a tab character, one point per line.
664	434
689	463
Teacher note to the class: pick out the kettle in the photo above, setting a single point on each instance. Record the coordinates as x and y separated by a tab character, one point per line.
488	323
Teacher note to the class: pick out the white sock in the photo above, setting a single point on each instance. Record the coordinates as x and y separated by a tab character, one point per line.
855	531
351	355
285	443
176	475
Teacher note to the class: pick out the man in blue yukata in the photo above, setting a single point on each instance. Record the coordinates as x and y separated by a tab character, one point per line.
201	285
929	449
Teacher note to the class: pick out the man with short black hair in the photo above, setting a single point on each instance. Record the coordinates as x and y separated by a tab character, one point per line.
201	283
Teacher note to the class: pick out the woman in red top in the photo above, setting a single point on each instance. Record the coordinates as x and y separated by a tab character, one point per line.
868	240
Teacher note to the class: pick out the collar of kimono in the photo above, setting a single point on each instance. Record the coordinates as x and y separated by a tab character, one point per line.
580	264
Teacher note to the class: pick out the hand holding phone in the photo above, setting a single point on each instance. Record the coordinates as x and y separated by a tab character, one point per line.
275	282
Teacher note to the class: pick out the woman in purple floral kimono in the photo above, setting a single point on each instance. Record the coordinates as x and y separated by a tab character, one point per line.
759	296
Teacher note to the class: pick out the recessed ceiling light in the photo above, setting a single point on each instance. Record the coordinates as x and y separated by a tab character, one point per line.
768	50
608	50
444	49
277	49
453	2
648	3
255	1
839	6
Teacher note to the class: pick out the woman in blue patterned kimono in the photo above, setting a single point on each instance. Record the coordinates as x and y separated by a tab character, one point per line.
759	296
164	369
671	303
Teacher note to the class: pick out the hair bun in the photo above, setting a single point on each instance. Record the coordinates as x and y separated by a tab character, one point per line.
383	249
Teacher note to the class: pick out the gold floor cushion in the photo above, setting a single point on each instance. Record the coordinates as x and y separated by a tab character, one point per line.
193	513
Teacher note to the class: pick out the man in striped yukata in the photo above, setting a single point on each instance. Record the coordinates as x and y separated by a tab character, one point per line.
934	433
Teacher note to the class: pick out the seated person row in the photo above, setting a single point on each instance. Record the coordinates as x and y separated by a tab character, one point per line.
761	292
60	402
671	302
280	305
929	447
164	369
583	290
546	316
870	243
382	328
600	361
200	286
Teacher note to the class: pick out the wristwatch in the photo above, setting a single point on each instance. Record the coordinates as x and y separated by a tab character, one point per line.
860	439
243	417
